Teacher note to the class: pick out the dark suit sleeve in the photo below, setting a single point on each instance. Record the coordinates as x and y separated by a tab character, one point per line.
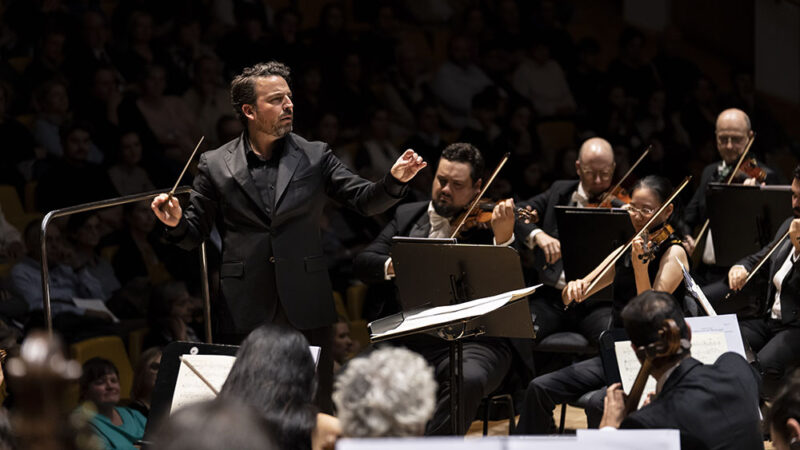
696	209
368	265
364	196
750	261
198	218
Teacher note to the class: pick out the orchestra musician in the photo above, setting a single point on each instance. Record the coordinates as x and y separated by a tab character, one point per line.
486	361
644	267
774	334
265	192
595	168
732	133
713	405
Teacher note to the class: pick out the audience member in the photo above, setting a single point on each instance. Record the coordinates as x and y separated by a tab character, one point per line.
388	393
541	80
11	246
343	345
170	315
117	427
144	380
83	232
127	175
207	97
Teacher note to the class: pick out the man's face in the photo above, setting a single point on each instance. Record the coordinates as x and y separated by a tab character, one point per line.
595	175
453	187
796	198
77	145
273	111
732	134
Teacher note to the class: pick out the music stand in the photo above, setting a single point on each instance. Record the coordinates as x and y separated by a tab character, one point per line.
168	374
439	274
744	219
581	250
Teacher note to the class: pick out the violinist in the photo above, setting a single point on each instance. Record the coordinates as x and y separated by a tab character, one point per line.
595	168
486	360
774	334
732	133
649	265
714	406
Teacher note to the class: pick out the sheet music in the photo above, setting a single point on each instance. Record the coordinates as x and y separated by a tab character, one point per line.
189	388
695	291
450	313
711	337
632	439
94	304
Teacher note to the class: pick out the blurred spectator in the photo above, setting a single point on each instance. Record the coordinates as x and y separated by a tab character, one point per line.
186	50
83	232
144	380
48	63
482	129
309	102
207	98
676	74
139	49
389	393
457	80
213	425
163	118
377	153
405	87
99	106
699	114
274	373
66	282
428	140
518	136
140	254
73	179
329	41
93	49
244	46
343	345
631	69
116	426
11	246
541	80
549	23
51	103
654	118
508	29
18	146
127	174
169	316
285	44
379	42
228	128
586	79
614	117
350	96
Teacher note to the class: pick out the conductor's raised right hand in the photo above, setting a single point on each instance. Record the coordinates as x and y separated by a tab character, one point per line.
736	277
167	209
574	291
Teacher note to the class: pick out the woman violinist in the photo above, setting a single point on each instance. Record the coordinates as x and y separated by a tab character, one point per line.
651	263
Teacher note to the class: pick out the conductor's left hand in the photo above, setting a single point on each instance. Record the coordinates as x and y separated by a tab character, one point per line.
407	166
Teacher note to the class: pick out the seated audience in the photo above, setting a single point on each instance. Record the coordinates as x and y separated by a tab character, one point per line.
222	423
83	232
127	175
11	246
116	426
343	345
389	393
144	380
715	406
169	315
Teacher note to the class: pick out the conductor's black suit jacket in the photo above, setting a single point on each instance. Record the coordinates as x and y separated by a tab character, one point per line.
265	254
714	406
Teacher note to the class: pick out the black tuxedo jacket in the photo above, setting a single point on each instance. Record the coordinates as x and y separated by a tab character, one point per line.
279	254
696	212
790	287
714	406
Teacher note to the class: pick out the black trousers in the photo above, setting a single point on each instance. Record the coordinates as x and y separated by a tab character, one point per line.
562	386
588	318
777	349
486	363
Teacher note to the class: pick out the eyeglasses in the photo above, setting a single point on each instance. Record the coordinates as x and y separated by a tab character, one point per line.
603	174
641	212
735	140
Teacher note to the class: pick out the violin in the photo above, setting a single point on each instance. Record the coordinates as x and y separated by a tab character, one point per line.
669	343
618	191
482	214
654	240
749	169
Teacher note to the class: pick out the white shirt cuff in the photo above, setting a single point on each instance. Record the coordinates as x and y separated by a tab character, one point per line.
386	275
529	242
506	243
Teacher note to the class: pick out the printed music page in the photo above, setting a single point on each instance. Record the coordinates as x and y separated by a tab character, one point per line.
189	388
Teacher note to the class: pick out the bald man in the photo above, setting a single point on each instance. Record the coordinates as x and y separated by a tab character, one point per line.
595	168
732	132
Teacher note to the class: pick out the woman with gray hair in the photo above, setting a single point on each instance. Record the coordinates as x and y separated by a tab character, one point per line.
389	393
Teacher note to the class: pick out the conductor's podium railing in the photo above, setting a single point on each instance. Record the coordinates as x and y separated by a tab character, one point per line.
102	204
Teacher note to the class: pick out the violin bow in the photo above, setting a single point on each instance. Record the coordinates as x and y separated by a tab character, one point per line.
608	193
761	262
478	198
622	250
727	182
